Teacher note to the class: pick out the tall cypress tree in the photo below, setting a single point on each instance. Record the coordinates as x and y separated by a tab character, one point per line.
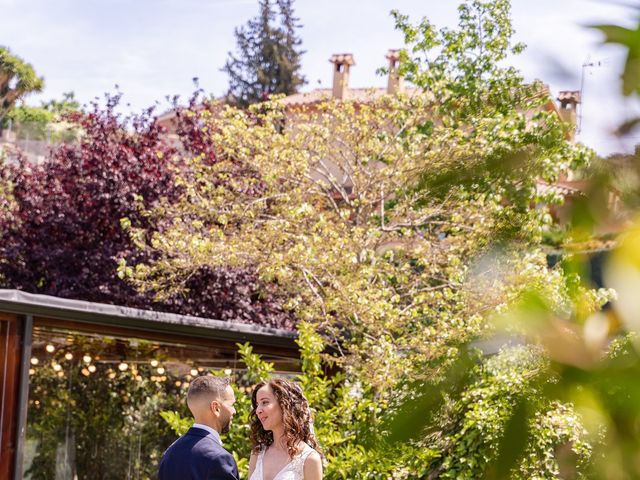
268	58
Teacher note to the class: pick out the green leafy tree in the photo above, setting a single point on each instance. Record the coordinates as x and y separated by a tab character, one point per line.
30	122
17	79
592	354
483	103
352	423
67	104
372	216
400	229
49	121
268	60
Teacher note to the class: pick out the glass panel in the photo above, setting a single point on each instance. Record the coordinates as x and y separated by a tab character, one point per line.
95	400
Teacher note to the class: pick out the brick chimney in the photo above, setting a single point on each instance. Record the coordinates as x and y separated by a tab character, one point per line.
341	64
569	100
395	83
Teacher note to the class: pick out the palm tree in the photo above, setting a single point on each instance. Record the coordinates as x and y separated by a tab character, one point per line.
17	79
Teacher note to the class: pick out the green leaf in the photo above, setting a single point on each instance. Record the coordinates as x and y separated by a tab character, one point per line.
630	39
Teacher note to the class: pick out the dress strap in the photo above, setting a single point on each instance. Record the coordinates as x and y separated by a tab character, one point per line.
257	473
306	452
300	459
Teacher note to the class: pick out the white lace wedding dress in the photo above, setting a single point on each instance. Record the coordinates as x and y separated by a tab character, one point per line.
294	470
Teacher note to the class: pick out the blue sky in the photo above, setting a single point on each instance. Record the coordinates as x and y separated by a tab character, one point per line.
153	48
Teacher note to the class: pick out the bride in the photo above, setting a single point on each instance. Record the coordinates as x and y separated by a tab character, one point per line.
284	447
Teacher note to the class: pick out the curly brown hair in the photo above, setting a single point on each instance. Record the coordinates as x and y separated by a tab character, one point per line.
296	416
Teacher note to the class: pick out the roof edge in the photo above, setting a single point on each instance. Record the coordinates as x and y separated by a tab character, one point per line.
19	302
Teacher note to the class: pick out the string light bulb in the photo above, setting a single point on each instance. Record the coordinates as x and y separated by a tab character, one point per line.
227	371
123	367
154	363
86	359
194	372
50	348
34	361
57	367
92	368
160	370
85	372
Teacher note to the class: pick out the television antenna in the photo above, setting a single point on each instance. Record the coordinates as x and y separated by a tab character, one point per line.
587	64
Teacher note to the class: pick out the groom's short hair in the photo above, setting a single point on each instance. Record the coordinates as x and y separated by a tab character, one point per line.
213	387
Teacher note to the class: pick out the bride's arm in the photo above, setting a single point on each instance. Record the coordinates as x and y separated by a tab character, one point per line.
252	463
313	467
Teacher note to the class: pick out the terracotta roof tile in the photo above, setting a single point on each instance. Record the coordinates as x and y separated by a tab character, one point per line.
363	95
559	188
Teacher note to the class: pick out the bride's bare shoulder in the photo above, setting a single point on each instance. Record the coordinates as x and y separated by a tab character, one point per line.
313	466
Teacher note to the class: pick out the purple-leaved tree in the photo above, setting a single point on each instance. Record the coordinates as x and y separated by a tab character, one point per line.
60	231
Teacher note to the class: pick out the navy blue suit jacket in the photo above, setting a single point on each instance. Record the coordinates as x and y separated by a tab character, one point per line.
197	456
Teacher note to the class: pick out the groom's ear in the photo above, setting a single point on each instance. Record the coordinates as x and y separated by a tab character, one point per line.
214	405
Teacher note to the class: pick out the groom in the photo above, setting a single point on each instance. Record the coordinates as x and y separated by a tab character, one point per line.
198	454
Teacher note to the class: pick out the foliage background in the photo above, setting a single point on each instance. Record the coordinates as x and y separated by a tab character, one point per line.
411	237
62	228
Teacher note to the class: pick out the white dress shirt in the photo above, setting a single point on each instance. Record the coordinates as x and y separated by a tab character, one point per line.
212	431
